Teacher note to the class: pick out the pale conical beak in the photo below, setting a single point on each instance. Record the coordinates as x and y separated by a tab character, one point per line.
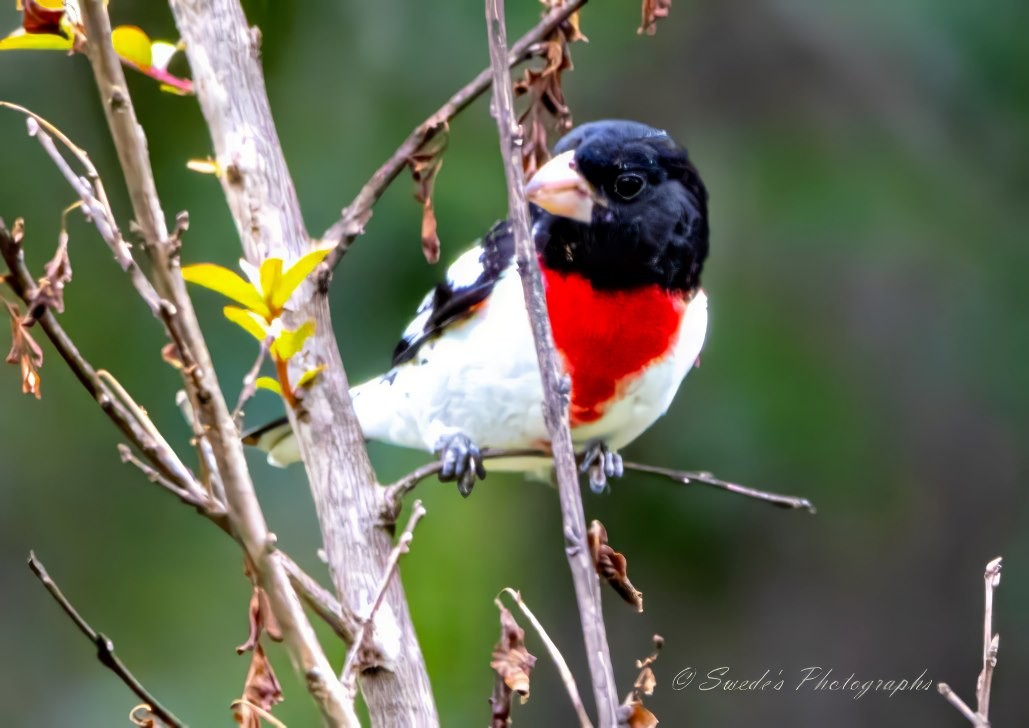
560	190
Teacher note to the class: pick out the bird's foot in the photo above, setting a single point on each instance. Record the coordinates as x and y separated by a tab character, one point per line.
460	460
601	462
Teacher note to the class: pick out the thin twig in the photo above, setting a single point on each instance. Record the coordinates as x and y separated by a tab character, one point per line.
404	485
104	646
688	476
991	641
321	601
355	215
555	654
555	387
348	674
250	381
95	210
974	718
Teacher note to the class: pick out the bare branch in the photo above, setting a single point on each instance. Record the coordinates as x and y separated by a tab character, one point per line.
398	489
348	673
250	381
555	387
104	646
355	215
244	511
687	477
224	54
974	718
168	469
555	654
991	643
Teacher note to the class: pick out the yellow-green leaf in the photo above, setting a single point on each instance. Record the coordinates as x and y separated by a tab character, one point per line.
229	284
272	385
250	322
296	274
308	377
133	45
288	343
20	40
271	272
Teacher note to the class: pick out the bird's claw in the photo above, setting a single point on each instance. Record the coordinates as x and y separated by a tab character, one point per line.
601	462
460	460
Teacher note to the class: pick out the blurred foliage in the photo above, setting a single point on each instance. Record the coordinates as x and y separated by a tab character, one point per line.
869	168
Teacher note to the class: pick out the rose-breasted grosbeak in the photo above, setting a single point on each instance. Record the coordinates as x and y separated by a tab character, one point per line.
619	217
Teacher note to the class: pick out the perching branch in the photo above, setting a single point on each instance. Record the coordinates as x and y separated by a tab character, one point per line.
991	643
686	477
104	646
355	215
555	386
404	485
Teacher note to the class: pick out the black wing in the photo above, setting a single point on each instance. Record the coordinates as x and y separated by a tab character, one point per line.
469	282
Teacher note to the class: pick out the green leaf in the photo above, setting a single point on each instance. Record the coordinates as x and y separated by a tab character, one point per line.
20	40
133	45
288	343
296	274
271	273
229	284
308	377
250	322
272	385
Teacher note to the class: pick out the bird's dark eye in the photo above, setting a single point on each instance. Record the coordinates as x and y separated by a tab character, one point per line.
628	185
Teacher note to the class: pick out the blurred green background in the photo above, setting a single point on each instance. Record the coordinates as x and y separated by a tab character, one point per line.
868	172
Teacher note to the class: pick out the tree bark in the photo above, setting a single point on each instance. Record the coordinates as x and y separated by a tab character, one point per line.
224	56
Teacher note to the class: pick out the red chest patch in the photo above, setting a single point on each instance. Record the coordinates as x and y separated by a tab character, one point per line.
605	337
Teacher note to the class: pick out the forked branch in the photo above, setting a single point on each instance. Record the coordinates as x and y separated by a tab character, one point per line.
991	643
104	646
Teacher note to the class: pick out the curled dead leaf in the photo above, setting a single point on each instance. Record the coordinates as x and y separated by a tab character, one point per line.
260	616
425	164
640	717
513	664
261	690
612	565
652	11
24	352
547	110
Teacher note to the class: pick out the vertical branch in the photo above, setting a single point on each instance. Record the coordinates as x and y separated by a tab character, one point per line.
224	55
244	511
555	387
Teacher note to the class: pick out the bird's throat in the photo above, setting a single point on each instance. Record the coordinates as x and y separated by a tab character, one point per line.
607	337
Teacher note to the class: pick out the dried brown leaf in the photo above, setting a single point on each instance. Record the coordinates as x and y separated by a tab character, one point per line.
143	717
612	565
24	352
261	689
425	164
546	110
640	717
260	616
511	660
652	11
50	293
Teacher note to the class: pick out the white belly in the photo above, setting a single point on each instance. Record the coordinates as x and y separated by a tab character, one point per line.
482	378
